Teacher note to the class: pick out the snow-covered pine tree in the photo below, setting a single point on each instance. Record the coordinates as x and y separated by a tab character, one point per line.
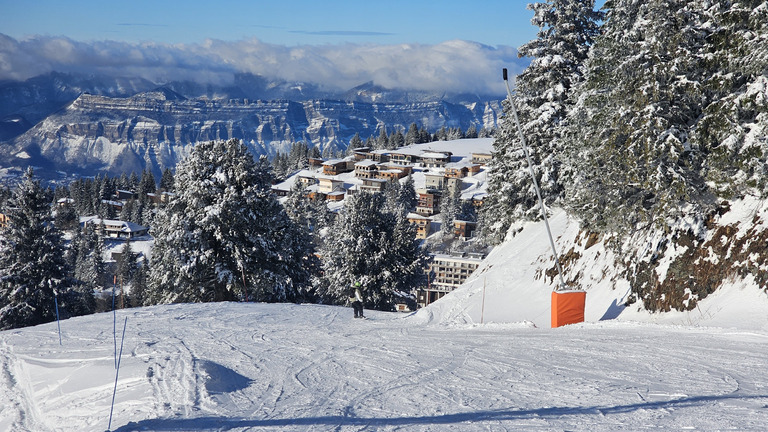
147	184
733	126
412	136
376	248
382	141
138	294
407	194
32	266
355	142
166	181
133	182
567	29
298	206
396	140
450	207
298	156
90	268
224	226
628	137
126	264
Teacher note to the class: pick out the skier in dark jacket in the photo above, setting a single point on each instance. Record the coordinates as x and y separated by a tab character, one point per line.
357	301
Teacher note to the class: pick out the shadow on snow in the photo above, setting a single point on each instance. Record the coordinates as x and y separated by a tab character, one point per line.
225	423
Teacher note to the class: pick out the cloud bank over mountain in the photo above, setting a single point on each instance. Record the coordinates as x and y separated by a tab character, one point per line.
452	66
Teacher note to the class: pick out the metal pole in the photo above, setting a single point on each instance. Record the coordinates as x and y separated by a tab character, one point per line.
482	306
114	318
117	373
535	183
58	322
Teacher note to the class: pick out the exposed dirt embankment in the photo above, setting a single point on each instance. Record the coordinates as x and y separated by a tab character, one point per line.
677	269
689	264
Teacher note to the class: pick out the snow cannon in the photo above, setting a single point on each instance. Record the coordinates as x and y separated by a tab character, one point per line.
568	307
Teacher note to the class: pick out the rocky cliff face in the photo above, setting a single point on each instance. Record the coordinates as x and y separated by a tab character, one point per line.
97	133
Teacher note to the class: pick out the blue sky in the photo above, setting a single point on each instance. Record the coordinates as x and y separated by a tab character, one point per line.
287	22
446	46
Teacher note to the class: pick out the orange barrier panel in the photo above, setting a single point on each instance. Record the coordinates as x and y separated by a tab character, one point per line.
568	307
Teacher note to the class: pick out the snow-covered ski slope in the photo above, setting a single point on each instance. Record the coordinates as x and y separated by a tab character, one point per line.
258	367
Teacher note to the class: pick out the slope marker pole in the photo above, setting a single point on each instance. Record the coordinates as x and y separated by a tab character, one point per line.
58	322
535	183
482	307
114	319
117	372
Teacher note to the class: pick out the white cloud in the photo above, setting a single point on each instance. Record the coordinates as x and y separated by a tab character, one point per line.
457	66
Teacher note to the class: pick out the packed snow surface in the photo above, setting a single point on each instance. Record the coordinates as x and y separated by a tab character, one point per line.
249	366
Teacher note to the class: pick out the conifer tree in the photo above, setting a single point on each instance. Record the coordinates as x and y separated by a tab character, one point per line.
225	227
126	264
407	195
544	95
629	136
166	181
138	294
33	270
382	142
412	135
737	113
147	184
396	140
370	245
90	268
356	141
450	207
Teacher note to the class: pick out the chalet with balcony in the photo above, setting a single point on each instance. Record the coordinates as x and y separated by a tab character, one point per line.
464	229
115	228
423	224
434	180
125	195
428	202
366	169
327	185
373	185
306	178
481	158
461	169
391	174
380	156
315	163
403	157
337	166
435	159
446	273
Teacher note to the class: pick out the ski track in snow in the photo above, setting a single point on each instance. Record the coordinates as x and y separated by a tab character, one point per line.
254	367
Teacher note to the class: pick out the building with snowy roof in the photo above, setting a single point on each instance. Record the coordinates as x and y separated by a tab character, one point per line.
115	228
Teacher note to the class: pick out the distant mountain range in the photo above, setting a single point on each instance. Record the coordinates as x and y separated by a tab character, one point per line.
83	125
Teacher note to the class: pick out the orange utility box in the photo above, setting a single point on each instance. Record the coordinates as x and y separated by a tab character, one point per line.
568	307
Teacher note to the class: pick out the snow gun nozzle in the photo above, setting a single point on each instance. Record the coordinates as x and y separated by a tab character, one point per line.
504	74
